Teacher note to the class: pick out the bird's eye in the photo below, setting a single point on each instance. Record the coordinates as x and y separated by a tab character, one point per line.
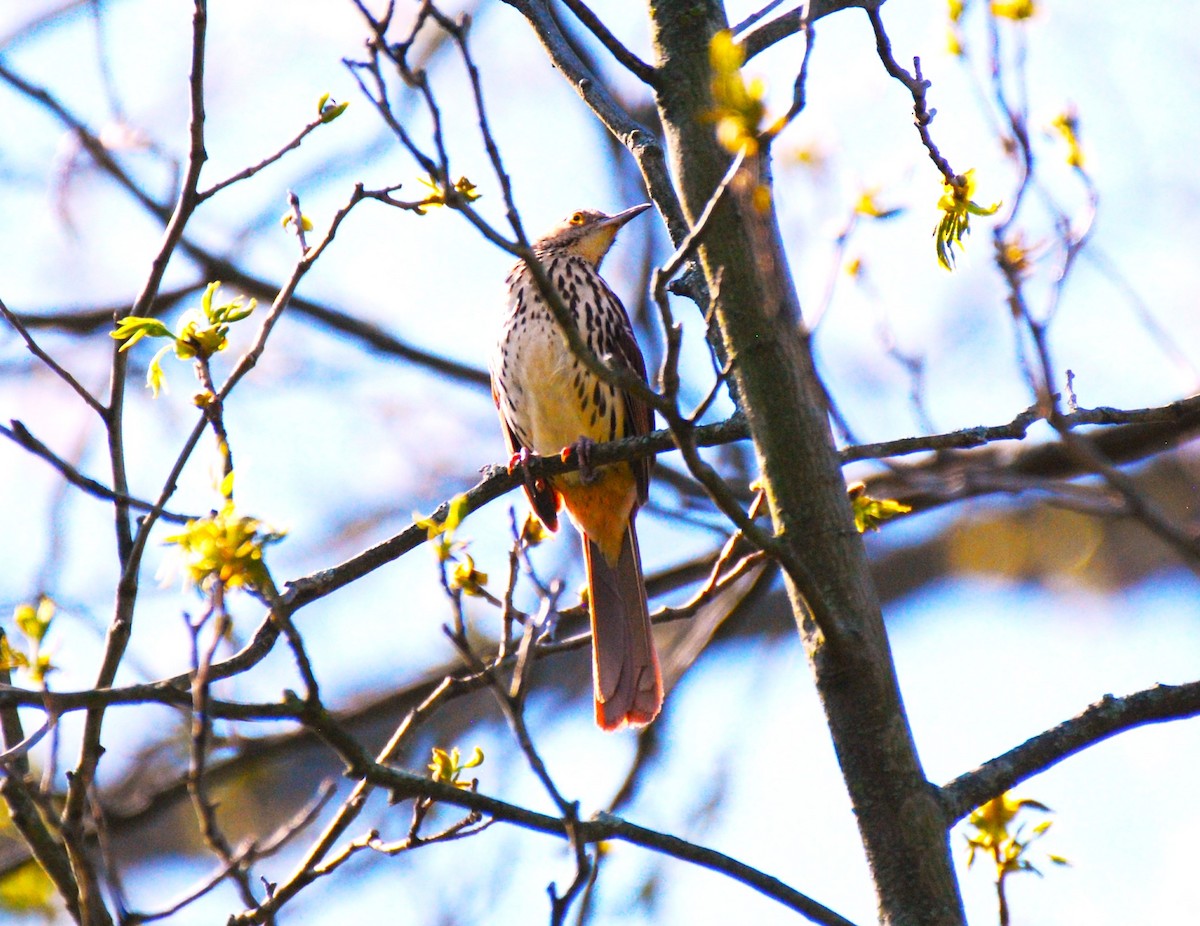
577	218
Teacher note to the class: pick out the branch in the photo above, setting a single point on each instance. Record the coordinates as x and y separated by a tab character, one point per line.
917	86
405	785
53	364
1107	717
21	436
85	321
91	902
174	691
1149	426
214	267
248	172
790	23
1184	542
371	335
23	811
645	147
635	65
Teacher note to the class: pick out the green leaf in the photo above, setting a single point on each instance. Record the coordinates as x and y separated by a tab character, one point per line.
870	512
155	379
34	622
207	298
132	328
329	109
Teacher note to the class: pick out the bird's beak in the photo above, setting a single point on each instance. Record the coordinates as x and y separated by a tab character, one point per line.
616	221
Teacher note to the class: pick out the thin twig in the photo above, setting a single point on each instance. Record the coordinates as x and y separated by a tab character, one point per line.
21	436
631	62
248	172
917	86
50	362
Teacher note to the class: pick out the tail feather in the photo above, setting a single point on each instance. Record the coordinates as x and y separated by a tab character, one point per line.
625	672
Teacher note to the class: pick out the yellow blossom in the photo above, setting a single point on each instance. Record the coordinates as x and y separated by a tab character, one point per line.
737	106
466	577
202	332
1014	9
438	195
869	206
957	207
1067	125
447	767
992	834
225	549
870	512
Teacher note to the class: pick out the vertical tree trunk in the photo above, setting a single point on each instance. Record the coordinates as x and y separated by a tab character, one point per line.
903	829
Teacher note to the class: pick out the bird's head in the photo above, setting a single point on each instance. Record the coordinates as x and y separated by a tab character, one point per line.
588	233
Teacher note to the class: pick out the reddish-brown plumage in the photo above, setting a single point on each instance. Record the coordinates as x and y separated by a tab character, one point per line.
549	401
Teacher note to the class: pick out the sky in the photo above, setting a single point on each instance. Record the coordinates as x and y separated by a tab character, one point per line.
341	447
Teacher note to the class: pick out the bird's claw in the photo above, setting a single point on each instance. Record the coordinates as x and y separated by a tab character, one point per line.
582	451
520	461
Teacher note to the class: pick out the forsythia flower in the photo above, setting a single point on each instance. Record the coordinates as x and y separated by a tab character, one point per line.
466	577
992	836
463	188
957	208
1067	125
201	333
738	107
1014	9
225	549
870	512
447	767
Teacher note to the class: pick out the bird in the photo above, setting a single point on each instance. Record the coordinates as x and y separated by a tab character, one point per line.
550	403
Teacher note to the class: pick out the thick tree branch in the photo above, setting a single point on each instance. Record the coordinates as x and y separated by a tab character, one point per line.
1107	717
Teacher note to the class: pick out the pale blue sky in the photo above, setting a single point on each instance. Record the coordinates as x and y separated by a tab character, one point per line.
326	437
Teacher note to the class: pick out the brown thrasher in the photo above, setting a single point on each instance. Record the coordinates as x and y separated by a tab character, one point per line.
550	403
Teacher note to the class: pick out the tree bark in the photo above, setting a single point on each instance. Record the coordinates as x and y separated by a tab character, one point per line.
903	828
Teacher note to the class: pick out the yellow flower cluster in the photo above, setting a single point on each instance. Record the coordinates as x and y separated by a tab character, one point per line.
225	549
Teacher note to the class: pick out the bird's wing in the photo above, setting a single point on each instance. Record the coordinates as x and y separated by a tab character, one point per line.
639	419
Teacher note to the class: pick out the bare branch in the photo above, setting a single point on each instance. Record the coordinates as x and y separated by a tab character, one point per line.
53	364
917	85
266	162
788	24
641	142
405	785
1107	717
635	65
21	436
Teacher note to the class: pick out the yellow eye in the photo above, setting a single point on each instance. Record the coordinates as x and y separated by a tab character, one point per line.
578	218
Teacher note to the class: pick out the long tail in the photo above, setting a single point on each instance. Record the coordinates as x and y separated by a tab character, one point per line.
625	673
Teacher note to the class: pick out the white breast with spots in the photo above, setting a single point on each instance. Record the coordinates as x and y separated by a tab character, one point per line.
546	394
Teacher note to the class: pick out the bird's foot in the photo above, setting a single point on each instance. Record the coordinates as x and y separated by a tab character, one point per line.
582	451
520	461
